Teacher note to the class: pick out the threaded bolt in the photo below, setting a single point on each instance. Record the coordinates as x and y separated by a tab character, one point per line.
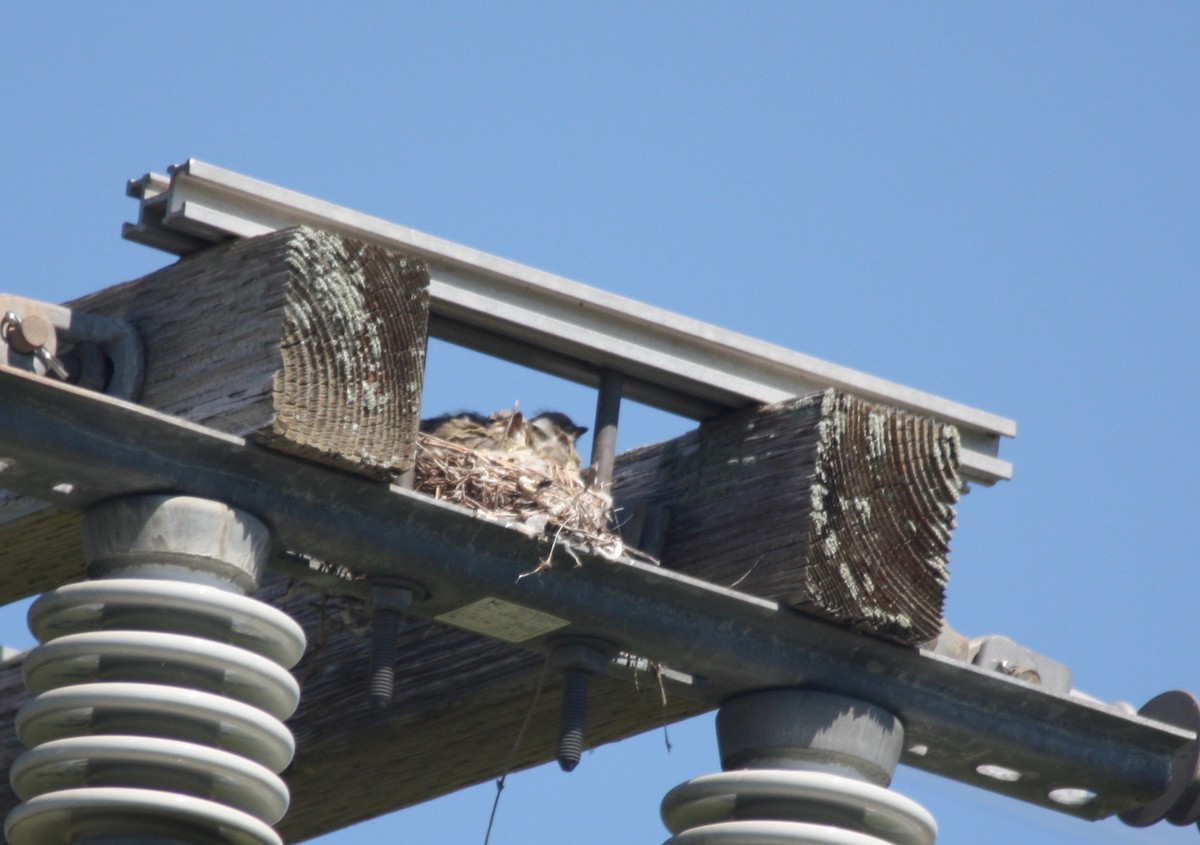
386	602
574	717
381	676
579	658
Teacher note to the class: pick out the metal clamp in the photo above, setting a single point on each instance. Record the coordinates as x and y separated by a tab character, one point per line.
1001	654
89	350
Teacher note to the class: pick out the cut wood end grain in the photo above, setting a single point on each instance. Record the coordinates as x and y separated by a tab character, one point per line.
352	351
884	494
827	503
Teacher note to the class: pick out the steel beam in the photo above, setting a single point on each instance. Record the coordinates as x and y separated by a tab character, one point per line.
73	448
546	321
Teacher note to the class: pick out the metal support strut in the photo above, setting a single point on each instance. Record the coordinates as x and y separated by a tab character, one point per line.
160	686
799	767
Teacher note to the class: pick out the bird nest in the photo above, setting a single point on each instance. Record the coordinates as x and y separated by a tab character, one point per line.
556	507
556	504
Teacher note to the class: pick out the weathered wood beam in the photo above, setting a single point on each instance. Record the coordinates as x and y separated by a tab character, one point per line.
309	342
829	504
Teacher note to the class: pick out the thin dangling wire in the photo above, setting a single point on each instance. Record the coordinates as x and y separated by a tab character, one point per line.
512	755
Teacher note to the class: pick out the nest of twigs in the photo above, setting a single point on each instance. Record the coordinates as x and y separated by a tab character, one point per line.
555	503
555	506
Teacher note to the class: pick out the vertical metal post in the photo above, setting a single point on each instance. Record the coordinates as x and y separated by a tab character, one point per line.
604	433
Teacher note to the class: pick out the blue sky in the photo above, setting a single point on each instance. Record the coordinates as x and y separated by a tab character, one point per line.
997	203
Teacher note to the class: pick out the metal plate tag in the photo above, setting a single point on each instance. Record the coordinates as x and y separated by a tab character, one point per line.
503	620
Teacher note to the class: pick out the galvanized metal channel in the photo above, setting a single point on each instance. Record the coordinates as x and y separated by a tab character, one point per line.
545	321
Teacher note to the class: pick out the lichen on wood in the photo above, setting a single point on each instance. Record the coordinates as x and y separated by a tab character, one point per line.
352	351
826	503
310	342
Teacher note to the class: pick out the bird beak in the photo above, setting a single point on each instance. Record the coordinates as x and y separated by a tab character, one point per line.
515	423
579	431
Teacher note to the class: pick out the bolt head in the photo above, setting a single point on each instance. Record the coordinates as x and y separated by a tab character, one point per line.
381	597
34	332
587	653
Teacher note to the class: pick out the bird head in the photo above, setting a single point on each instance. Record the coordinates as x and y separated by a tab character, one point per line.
552	435
507	429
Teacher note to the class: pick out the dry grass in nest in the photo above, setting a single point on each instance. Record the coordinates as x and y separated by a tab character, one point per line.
557	505
557	508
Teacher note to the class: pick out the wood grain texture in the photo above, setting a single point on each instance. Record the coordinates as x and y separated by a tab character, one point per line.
826	503
311	342
352	355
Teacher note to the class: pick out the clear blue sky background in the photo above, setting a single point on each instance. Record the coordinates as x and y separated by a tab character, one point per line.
997	203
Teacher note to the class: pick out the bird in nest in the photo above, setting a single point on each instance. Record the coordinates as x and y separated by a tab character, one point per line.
544	442
503	431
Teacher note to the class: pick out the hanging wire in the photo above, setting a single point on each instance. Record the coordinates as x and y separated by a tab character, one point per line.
512	755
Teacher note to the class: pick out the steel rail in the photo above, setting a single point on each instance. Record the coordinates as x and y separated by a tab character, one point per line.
546	321
73	448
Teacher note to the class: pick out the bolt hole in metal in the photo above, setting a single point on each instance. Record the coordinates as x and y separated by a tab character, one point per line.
1001	773
1071	796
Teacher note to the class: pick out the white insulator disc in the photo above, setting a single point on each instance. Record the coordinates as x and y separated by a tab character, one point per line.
798	796
159	658
772	833
61	818
151	763
157	711
170	606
